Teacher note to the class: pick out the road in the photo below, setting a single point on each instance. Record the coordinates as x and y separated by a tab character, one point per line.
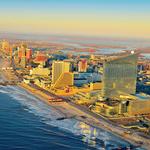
90	117
100	121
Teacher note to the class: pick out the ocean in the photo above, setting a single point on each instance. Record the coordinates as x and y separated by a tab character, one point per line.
26	123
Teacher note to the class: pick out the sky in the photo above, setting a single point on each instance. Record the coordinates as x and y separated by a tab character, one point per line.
109	18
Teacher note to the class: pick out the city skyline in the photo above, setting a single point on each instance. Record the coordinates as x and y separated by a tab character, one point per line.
75	74
112	18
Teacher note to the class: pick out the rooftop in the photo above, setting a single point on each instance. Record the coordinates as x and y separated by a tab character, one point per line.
142	96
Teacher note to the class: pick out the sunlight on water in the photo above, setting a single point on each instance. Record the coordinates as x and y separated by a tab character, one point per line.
97	138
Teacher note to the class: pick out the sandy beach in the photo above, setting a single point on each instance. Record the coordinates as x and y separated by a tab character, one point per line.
71	110
81	113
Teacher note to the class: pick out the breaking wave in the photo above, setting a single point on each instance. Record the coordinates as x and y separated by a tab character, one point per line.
97	138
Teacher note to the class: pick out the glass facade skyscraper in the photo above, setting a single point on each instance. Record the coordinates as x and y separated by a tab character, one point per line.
120	76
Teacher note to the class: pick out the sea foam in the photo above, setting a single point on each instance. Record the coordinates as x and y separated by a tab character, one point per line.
49	116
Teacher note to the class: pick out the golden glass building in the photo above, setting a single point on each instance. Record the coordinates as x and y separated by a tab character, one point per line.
58	68
119	76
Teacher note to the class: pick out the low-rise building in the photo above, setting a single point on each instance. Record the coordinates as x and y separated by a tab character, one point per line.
131	106
96	86
40	71
139	106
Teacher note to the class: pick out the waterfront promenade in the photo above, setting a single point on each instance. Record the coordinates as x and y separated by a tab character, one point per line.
68	109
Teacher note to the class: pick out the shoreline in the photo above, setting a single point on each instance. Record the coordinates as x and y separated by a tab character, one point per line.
67	110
